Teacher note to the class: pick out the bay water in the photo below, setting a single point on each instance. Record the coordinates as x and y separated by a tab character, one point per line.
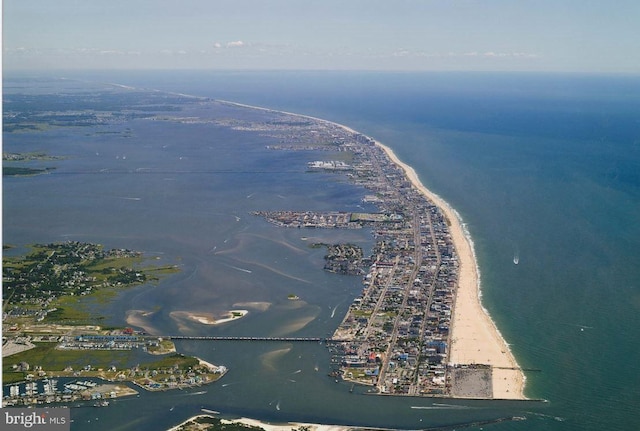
545	168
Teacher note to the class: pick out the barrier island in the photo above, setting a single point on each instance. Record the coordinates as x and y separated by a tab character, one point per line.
418	327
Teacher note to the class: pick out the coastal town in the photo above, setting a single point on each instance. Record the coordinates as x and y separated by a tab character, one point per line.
396	336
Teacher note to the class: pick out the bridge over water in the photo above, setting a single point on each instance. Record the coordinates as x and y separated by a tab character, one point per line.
228	338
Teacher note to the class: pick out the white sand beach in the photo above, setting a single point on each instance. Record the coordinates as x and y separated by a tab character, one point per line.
290	425
268	426
209	365
475	338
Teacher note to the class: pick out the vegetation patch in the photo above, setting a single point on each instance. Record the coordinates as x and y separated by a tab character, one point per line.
48	282
46	357
16	171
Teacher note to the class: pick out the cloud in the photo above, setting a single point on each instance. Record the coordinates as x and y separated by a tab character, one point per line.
524	54
401	53
235	44
494	54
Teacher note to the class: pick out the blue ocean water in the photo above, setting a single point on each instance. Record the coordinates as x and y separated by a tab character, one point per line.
543	167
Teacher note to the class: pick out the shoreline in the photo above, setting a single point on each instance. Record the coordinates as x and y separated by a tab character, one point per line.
475	338
285	426
288	426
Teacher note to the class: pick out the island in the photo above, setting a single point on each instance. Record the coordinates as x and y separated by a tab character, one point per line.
15	169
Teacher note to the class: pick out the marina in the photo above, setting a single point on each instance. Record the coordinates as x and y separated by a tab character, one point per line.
63	391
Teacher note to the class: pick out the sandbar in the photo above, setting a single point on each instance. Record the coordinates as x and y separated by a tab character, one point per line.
209	318
268	426
288	426
138	318
256	305
269	359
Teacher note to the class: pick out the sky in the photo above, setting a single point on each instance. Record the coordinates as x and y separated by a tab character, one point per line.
591	36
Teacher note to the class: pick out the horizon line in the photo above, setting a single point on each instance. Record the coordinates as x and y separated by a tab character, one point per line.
318	70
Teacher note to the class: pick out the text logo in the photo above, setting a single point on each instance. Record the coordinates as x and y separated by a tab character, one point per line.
36	419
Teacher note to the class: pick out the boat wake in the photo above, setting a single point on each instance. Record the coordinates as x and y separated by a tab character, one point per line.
248	271
197	393
277	404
